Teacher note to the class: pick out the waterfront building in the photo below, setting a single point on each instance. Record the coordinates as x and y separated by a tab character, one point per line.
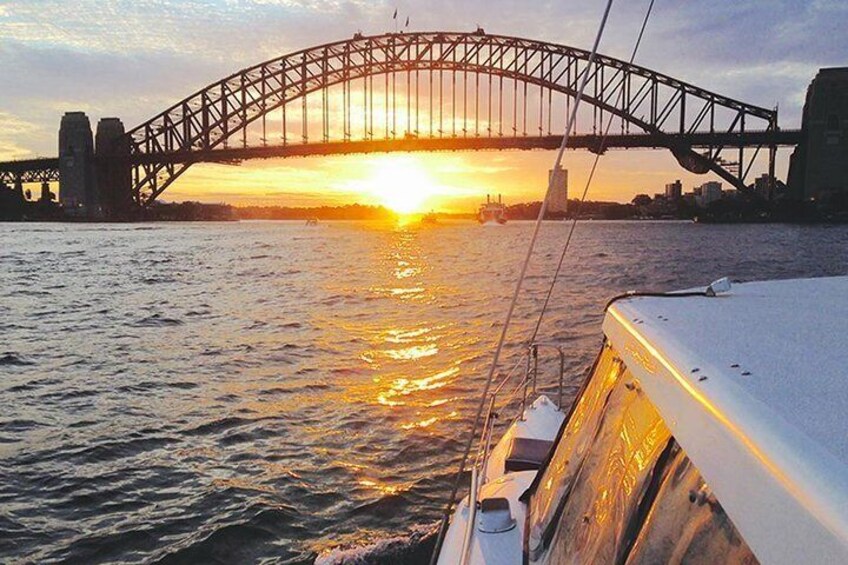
762	186
708	193
558	196
674	190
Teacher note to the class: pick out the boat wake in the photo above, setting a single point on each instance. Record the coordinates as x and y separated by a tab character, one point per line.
412	548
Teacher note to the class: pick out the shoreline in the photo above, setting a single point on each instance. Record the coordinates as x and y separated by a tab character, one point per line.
441	219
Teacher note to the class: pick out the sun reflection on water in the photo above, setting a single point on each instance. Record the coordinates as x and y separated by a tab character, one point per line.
401	292
403	271
406	371
422	424
405	336
401	387
383	488
412	353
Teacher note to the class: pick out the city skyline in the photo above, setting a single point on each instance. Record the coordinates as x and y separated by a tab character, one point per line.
164	54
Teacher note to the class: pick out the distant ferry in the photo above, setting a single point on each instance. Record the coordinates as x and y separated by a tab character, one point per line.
430	218
492	212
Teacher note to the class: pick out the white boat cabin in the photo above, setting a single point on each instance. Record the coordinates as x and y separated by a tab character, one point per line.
712	429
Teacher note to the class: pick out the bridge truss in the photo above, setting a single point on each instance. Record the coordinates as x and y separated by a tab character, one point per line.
24	171
432	91
440	85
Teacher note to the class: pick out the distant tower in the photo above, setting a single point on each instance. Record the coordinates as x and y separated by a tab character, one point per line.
558	195
77	190
674	190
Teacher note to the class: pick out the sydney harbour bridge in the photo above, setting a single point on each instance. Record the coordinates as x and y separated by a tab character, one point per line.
418	91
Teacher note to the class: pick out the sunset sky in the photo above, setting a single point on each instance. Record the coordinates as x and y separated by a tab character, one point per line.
132	59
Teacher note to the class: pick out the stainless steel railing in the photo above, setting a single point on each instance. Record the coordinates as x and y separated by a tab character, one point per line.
528	387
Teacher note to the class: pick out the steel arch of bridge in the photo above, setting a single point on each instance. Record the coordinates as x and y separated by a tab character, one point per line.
663	107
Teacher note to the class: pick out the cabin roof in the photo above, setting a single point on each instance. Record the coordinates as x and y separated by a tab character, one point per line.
753	384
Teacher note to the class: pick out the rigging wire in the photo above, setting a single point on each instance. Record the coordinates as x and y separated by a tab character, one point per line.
588	182
518	285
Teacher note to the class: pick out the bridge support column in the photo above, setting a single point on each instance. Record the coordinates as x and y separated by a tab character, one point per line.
114	175
46	195
12	200
19	187
771	180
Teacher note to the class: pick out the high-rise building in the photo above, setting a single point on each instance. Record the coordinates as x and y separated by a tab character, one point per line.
558	195
77	189
708	192
674	190
762	186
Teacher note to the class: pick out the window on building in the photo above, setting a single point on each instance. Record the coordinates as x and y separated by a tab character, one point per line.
833	122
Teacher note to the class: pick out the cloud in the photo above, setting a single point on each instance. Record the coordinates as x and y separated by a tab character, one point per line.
12	131
221	30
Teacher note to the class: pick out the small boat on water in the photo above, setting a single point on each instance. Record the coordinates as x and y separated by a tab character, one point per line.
710	430
492	213
430	218
312	221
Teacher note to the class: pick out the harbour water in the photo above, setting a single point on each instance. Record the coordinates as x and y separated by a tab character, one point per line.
268	391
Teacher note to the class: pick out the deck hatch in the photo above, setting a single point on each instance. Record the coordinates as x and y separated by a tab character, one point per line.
495	516
526	454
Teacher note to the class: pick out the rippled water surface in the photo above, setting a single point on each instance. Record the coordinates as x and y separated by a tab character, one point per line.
269	391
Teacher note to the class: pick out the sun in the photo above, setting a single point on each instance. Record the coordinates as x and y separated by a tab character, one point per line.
401	183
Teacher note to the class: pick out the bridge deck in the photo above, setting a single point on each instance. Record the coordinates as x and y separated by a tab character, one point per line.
35	170
40	169
412	144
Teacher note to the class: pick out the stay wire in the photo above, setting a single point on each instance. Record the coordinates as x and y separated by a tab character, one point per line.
601	147
518	287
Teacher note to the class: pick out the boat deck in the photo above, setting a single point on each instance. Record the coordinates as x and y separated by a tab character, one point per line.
754	385
539	422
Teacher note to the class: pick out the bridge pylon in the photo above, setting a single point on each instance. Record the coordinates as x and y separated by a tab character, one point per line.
77	189
114	170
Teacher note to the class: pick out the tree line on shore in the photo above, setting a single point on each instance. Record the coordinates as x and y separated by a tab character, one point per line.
741	207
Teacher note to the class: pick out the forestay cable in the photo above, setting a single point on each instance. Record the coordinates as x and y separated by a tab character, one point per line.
519	284
601	148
